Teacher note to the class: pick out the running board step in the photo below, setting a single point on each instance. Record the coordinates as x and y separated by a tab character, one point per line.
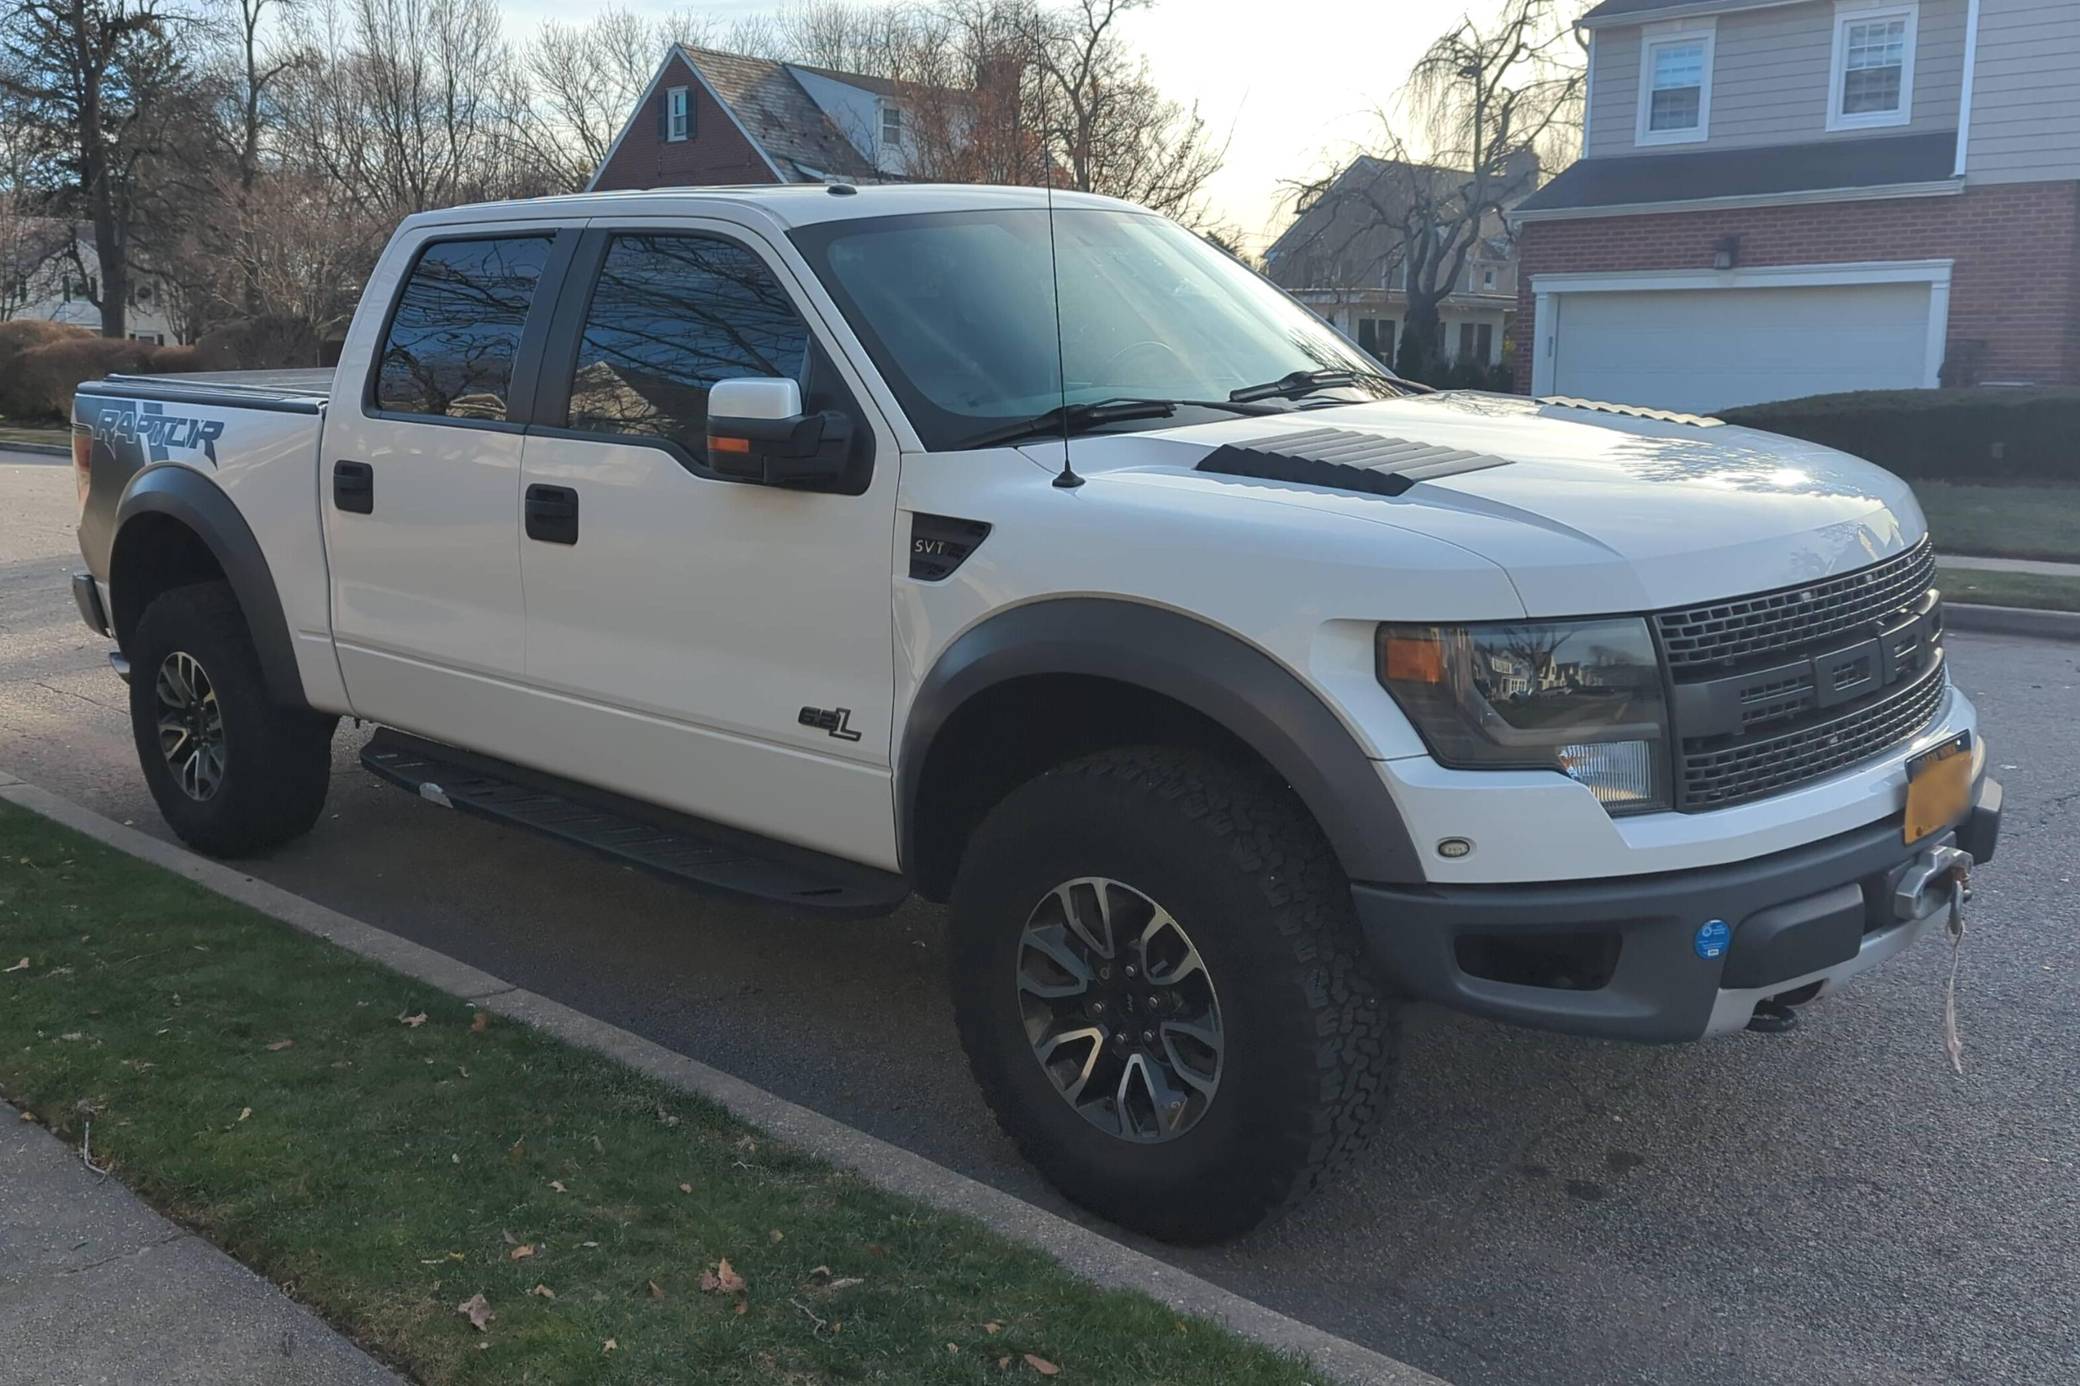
656	840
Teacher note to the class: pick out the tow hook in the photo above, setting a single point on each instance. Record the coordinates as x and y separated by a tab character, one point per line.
1940	878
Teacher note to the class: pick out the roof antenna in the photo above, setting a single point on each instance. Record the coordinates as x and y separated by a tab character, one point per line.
1066	479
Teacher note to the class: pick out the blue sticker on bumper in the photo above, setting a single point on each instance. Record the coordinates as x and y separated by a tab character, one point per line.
1712	938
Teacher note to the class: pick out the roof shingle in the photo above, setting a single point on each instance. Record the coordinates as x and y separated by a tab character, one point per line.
1632	179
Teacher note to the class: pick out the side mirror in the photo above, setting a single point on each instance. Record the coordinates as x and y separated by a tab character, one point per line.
758	433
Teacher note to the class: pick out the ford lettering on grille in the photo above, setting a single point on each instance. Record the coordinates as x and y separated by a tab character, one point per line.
1781	688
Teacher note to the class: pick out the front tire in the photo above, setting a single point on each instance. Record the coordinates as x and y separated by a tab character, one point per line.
1161	989
232	770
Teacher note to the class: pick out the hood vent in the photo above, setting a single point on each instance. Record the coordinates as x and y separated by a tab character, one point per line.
1632	411
1345	460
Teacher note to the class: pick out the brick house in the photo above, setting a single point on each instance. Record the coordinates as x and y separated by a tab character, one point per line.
1789	197
710	118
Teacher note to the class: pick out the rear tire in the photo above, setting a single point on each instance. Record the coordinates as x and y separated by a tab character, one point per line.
232	770
1306	1038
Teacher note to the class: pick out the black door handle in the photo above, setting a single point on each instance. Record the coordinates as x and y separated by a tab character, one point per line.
354	487
552	514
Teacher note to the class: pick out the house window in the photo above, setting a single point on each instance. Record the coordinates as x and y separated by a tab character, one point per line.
1873	73
1675	90
678	114
1466	341
1487	279
891	127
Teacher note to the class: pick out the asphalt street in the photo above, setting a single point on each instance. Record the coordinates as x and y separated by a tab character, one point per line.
1830	1205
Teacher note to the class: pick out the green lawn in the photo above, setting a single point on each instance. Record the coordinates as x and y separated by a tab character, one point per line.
1961	584
2019	521
11	432
358	1138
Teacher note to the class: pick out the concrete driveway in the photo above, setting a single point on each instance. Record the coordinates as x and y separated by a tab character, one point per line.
1830	1205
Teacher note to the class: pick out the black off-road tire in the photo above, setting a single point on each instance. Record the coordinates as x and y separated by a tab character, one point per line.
277	760
1311	1036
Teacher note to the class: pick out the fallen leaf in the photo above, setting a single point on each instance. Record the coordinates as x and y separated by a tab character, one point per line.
722	1280
477	1310
993	1328
686	1188
28	1116
954	1349
481	1023
588	1243
822	1271
743	1305
279	1045
22	966
1042	1365
777	1236
243	1113
521	1252
557	1184
542	1292
1003	1364
609	1346
846	1282
656	1290
510	1239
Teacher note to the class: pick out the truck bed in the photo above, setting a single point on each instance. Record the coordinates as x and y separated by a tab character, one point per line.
303	390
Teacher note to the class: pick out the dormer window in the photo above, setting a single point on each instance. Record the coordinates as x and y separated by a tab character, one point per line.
1675	89
1873	71
891	126
678	114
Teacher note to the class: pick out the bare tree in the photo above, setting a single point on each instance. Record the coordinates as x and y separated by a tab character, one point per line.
1495	105
1116	131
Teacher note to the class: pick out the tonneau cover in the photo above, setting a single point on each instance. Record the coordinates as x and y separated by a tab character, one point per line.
304	390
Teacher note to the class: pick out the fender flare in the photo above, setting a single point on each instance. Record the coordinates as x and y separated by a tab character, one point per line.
1232	683
185	495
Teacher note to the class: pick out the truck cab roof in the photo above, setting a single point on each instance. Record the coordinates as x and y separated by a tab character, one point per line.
786	205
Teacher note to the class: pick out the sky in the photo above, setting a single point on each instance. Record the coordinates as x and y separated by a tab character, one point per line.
1290	85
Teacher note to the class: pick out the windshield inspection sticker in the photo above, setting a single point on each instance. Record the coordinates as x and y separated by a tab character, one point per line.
1712	938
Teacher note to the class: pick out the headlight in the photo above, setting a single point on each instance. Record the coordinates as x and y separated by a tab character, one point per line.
1580	697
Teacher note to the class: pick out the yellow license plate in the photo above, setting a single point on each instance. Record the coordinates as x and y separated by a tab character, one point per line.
1939	786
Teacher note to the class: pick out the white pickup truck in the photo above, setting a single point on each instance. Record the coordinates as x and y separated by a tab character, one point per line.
832	545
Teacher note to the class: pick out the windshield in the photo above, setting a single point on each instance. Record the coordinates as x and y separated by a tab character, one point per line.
957	309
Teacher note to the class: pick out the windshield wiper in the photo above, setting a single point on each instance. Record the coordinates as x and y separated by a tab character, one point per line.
1078	418
1294	384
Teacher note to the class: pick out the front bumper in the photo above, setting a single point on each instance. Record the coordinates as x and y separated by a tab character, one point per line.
1625	958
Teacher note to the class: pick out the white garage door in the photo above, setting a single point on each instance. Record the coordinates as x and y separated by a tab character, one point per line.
1708	349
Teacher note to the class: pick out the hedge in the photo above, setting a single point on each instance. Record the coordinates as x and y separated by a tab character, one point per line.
42	363
1988	434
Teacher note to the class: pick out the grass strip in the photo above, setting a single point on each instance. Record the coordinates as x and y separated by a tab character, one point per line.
1962	583
2018	521
386	1153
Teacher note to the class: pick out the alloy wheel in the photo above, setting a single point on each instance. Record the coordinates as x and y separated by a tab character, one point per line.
191	726
1120	1010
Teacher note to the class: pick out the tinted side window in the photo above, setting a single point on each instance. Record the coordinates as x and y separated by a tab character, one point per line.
457	328
670	316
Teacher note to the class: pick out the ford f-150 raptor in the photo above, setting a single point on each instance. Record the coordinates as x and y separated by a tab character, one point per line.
1026	552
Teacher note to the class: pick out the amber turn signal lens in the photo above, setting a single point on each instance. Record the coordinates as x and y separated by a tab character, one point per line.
1412	659
719	444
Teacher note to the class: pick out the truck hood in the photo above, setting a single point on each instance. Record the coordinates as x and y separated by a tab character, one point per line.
1588	508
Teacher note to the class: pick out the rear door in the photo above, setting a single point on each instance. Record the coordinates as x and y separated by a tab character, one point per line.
420	480
718	647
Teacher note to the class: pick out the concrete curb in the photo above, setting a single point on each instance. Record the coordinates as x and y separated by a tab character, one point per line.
40	449
2011	620
1081	1250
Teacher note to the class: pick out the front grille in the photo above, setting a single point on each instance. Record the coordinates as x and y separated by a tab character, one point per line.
1778	689
1745	629
1753	767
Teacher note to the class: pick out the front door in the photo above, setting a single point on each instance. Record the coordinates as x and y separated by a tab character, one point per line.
420	488
718	647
